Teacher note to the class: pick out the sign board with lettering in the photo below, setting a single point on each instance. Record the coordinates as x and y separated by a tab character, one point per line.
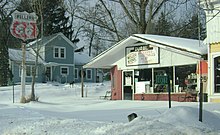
142	55
24	25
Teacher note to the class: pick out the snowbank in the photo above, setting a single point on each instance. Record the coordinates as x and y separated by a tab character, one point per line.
61	111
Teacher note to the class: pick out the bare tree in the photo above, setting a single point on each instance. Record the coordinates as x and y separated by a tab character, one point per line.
129	17
37	6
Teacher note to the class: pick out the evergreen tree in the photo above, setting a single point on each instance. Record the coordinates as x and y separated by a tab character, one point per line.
4	65
55	19
6	41
163	26
25	6
191	29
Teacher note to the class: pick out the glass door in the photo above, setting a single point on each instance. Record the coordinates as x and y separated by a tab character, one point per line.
128	85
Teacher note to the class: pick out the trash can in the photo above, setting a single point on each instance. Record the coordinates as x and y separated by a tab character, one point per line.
132	116
205	97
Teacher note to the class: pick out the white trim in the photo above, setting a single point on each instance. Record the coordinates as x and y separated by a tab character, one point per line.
59	52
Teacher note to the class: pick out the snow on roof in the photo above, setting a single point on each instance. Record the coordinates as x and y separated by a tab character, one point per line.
47	39
191	45
81	58
16	55
108	58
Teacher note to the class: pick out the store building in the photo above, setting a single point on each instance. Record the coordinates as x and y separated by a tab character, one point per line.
146	67
212	10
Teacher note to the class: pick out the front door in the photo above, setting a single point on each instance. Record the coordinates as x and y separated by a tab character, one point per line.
48	74
128	85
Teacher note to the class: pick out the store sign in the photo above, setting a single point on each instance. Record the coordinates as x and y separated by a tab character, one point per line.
24	25
141	55
161	79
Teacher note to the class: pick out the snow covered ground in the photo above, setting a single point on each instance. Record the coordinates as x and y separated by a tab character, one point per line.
62	111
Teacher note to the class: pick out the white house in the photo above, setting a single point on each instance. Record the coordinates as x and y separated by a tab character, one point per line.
212	10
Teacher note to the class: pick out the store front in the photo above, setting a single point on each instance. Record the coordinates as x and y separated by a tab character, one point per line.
153	83
148	66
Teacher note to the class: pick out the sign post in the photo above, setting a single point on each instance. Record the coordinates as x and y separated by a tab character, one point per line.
23	73
165	80
23	27
200	93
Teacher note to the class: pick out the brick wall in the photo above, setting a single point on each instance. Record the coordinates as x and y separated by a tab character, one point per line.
117	88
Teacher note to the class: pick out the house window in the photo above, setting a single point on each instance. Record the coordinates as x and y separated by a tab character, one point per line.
59	52
56	52
62	52
76	70
64	71
29	70
89	74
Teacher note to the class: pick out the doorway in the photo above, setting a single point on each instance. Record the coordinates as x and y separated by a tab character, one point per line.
48	74
128	85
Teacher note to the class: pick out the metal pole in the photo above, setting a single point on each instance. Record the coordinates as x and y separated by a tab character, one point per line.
13	90
82	85
200	101
200	71
23	73
169	93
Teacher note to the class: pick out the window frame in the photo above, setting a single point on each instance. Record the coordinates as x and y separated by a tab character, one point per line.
61	54
61	71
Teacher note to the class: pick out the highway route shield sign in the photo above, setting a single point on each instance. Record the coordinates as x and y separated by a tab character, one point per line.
24	25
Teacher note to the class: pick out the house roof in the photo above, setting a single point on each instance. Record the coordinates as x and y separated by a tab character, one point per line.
108	58
16	55
47	39
81	58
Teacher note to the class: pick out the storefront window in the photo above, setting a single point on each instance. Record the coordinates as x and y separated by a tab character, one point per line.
143	75
186	78
217	74
161	79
